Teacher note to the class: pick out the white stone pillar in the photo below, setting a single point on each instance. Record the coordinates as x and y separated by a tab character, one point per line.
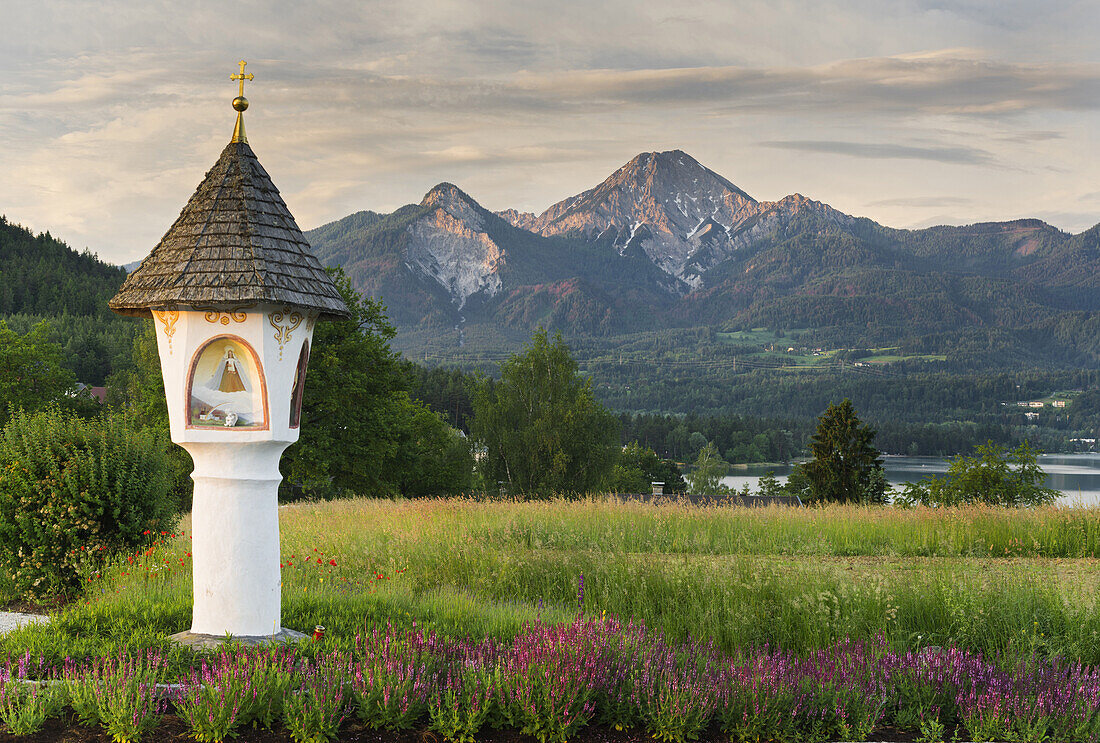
235	507
235	538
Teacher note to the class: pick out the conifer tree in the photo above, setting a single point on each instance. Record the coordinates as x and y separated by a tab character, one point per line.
846	467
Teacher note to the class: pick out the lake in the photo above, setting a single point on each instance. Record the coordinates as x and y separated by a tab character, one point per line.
1077	476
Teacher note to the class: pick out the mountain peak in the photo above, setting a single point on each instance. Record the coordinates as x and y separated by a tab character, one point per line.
445	193
674	165
456	202
665	203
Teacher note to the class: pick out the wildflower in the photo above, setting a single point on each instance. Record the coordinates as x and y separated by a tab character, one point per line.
332	562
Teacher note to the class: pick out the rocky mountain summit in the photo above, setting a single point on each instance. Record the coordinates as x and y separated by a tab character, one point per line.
665	242
681	215
449	244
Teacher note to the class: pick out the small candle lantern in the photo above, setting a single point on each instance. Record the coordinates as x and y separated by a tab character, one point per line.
234	291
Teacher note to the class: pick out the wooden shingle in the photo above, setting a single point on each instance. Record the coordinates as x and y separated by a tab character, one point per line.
234	243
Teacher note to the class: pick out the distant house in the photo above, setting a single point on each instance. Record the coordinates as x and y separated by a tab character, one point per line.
1031	415
99	393
1035	404
1059	403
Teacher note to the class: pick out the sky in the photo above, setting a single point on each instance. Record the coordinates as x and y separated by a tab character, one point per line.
910	112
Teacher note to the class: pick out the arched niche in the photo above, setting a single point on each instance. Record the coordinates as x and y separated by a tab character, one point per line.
299	388
226	389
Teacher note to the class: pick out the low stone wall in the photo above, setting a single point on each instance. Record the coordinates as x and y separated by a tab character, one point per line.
702	499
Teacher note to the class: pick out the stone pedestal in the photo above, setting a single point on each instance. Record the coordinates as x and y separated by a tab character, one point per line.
235	538
210	642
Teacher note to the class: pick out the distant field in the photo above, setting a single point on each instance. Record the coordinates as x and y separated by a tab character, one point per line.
889	358
803	356
992	580
760	335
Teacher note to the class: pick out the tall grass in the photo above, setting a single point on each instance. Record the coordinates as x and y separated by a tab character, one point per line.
611	525
982	579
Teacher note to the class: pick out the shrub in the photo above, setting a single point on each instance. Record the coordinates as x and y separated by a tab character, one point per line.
73	492
993	475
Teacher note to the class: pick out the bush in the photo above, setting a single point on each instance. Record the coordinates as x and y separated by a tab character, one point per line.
73	492
994	475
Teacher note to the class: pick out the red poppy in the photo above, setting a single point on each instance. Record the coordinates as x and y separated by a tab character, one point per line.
332	562
318	560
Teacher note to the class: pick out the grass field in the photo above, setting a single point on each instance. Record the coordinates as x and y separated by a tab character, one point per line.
1014	582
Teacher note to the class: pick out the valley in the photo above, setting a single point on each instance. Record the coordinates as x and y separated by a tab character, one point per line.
679	292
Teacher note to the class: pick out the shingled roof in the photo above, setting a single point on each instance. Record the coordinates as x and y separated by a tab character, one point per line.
234	243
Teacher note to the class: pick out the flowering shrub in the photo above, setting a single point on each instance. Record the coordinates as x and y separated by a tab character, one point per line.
73	491
118	693
553	677
552	681
25	707
463	701
314	711
212	698
391	682
676	690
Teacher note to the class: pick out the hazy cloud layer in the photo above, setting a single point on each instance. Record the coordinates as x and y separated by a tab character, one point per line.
959	155
925	202
111	112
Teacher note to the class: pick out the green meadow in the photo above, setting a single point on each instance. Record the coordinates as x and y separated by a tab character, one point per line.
1009	582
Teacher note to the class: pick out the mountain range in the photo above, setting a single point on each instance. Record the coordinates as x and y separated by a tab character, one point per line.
665	243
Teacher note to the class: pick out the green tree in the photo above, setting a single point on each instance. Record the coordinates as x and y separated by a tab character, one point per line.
769	487
846	467
32	372
541	427
432	458
139	390
639	467
140	387
360	432
706	476
993	475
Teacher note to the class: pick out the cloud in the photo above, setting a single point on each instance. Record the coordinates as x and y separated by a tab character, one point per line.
109	116
952	155
952	82
924	202
1030	137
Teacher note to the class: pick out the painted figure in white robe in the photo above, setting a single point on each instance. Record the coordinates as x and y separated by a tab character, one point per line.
228	376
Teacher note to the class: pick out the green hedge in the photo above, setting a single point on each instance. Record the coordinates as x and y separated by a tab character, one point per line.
73	492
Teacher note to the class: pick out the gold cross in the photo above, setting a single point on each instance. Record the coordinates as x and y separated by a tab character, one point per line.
242	77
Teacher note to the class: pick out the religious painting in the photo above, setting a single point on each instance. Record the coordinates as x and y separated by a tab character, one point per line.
227	387
299	388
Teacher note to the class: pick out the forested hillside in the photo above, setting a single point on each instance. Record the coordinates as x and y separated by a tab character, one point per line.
42	278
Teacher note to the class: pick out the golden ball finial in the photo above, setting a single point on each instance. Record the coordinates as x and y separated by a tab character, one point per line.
240	104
